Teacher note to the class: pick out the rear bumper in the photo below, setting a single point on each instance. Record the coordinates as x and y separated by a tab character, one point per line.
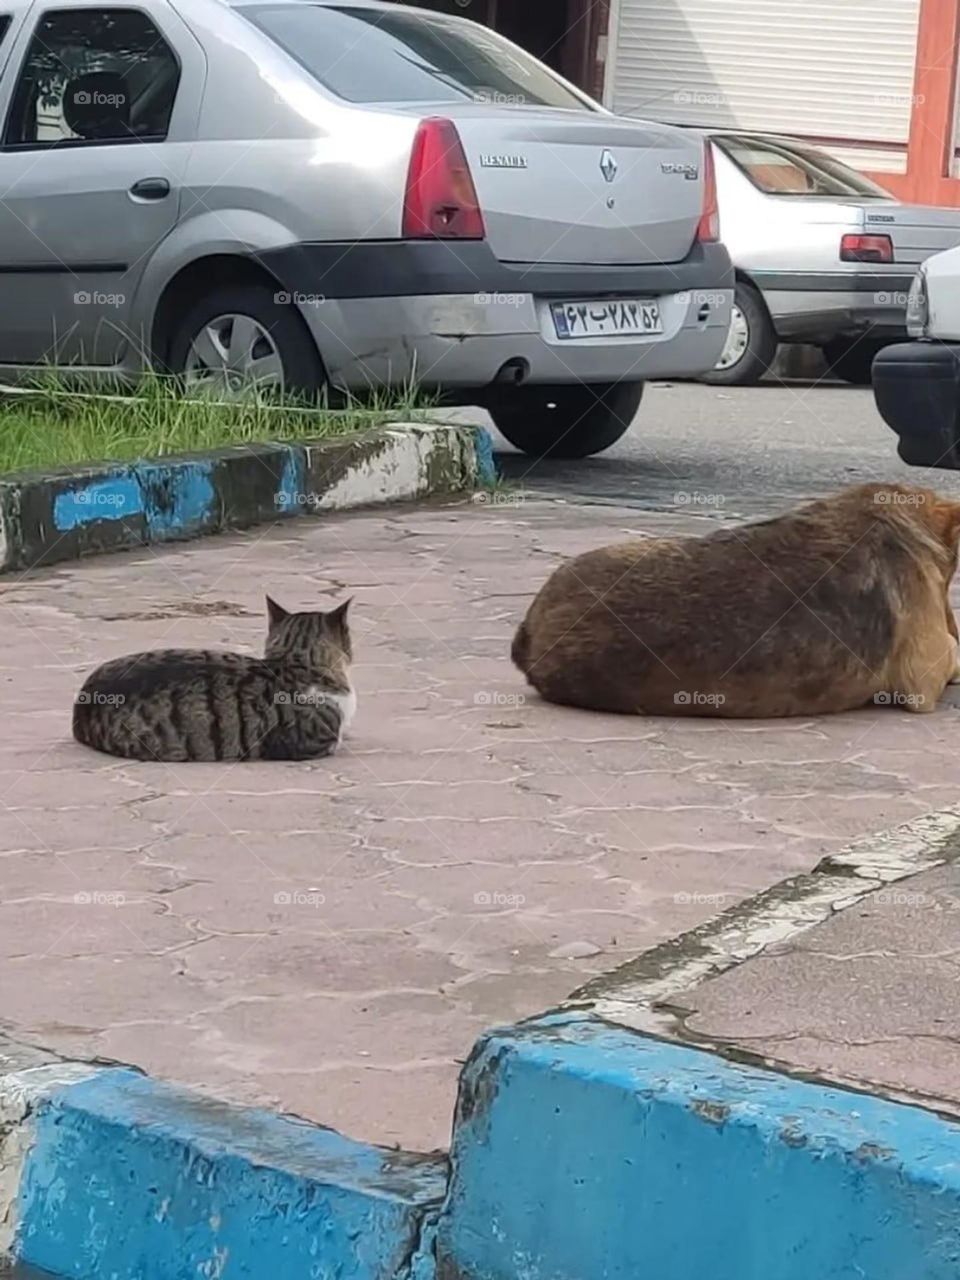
452	317
420	268
458	343
818	306
917	389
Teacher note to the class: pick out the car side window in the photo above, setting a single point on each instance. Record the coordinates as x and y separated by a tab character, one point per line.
93	76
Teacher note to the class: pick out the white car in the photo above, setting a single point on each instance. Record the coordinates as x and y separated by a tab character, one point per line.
917	384
822	255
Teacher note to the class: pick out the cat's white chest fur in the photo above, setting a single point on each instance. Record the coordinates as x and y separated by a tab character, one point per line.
347	702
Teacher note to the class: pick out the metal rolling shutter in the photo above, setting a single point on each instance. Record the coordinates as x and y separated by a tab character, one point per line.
832	69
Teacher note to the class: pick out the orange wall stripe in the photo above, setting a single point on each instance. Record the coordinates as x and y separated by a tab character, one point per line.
929	151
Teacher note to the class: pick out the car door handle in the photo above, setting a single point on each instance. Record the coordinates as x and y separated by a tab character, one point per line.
150	189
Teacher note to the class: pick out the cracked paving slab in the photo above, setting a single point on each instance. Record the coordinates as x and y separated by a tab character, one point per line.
867	998
330	937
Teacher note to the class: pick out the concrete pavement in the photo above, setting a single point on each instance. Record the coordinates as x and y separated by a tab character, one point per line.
736	451
868	998
330	938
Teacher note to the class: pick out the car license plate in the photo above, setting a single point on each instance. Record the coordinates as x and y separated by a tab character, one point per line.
625	317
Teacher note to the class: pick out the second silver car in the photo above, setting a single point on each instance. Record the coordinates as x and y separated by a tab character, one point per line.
822	255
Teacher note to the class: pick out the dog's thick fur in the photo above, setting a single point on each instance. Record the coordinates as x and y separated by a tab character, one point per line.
841	603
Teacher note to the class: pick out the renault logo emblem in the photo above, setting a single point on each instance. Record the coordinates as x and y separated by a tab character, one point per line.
608	166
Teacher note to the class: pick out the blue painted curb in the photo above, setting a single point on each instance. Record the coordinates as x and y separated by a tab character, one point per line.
581	1152
76	511
126	1178
587	1152
486	463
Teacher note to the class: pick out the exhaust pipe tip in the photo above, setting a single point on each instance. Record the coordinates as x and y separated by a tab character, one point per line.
513	373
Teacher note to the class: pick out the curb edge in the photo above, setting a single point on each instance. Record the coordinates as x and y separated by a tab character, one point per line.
72	512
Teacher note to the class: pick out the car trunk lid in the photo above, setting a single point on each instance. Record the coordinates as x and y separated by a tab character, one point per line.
570	187
916	230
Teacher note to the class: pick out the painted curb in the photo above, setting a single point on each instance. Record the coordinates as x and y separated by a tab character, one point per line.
107	1173
638	993
580	1150
47	517
590	1151
584	1148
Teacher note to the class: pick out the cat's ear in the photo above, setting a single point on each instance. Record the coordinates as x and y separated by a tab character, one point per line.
337	618
275	612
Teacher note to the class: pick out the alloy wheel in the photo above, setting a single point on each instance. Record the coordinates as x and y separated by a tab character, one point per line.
233	356
738	340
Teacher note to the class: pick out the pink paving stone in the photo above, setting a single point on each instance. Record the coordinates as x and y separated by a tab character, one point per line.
330	937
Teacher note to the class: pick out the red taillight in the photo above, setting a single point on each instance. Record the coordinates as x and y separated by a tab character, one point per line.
708	227
857	248
441	200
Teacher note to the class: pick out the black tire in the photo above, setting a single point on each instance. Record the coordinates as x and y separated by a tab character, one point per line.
921	451
851	359
303	372
761	348
573	421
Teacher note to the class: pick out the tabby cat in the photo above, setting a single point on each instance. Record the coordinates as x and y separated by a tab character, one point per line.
294	703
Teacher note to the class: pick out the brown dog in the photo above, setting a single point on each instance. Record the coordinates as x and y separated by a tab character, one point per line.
838	604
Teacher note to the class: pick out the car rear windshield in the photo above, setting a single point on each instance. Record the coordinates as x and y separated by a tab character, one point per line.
783	168
372	55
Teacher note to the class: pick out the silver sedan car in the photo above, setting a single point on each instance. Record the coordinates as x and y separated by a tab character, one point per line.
349	195
822	255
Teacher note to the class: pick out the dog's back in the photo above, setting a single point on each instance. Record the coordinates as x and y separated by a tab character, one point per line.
796	615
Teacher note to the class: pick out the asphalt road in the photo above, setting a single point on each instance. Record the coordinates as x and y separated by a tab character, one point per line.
734	452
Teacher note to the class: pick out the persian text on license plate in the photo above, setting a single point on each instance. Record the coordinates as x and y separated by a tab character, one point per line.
606	319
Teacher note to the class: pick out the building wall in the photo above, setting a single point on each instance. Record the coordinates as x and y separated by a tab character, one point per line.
835	73
873	81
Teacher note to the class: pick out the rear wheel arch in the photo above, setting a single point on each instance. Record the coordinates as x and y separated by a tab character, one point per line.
195	280
745	278
761	333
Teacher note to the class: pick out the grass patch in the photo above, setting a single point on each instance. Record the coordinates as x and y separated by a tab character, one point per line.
55	426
